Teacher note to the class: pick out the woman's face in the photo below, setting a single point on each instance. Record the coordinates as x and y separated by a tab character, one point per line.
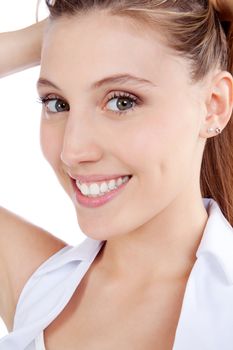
156	136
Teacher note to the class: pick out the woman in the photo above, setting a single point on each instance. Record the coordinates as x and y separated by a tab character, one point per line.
156	271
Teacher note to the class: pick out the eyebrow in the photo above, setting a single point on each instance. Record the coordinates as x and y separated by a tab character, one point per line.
117	78
122	79
46	82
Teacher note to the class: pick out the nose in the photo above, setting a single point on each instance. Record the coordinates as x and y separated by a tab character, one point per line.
80	143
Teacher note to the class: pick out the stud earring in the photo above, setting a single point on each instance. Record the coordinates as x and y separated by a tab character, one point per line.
217	130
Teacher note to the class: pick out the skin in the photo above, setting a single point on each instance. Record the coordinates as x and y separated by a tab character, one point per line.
155	225
21	49
161	212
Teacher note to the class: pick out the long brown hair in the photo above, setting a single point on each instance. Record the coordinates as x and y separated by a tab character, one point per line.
193	29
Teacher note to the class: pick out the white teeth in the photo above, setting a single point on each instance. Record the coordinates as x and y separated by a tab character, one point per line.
125	179
97	190
119	181
103	187
112	184
84	189
94	189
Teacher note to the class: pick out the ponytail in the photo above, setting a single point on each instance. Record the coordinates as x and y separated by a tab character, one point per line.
217	164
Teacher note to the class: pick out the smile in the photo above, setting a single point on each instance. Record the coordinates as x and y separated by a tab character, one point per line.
93	195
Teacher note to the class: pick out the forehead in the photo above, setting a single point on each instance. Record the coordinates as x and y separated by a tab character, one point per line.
99	44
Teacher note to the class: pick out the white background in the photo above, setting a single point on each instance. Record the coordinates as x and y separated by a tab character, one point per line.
28	185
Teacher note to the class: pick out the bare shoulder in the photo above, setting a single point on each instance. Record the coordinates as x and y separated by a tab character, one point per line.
23	248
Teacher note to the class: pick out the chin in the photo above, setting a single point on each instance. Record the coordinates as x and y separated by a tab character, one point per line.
100	232
93	233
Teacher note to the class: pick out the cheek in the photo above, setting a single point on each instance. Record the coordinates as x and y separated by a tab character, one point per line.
51	143
164	145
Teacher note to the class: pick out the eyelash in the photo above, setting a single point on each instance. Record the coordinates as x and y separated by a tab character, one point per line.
45	99
127	95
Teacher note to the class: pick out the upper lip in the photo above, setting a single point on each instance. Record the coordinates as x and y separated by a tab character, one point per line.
94	178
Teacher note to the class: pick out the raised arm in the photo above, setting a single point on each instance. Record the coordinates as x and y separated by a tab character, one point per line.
21	49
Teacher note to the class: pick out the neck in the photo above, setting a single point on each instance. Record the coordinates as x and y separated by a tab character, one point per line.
165	247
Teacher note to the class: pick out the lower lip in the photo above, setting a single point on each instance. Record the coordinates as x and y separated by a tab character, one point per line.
91	202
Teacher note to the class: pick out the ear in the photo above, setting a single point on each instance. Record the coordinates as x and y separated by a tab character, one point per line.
219	104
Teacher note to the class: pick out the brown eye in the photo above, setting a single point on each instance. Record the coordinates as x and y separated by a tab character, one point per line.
121	102
55	105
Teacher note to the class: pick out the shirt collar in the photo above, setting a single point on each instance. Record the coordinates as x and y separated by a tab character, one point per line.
217	238
83	252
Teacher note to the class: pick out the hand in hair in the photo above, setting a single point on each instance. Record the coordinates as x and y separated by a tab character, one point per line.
21	49
225	9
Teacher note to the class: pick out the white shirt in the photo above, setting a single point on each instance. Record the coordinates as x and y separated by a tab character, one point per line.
206	318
